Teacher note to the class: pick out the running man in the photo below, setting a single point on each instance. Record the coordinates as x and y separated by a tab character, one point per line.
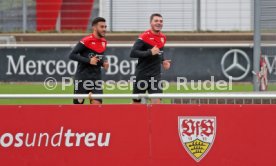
89	55
148	48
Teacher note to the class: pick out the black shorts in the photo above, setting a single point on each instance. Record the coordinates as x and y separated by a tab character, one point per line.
83	88
150	85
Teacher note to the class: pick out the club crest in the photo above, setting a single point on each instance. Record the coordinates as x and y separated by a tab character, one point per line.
197	134
103	44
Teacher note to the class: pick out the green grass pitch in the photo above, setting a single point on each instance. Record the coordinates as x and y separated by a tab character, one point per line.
38	88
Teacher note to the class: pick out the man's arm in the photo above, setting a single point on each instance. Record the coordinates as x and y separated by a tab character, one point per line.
105	65
165	62
104	62
137	52
75	54
162	54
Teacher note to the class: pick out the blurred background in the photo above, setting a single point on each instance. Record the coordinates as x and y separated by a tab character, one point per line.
204	38
124	15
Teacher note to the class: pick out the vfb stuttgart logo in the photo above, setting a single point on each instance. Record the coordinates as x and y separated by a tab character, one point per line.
197	134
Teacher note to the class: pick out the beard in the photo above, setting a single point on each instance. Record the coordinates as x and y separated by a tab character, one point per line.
100	35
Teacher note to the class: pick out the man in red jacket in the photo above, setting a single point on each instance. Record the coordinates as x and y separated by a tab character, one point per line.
148	48
89	55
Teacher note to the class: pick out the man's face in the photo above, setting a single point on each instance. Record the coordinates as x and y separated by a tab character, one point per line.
100	29
156	23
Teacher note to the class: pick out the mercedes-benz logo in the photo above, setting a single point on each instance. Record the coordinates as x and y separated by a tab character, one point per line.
235	65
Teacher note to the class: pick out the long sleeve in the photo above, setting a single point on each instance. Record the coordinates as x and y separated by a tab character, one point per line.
137	50
101	62
75	54
162	55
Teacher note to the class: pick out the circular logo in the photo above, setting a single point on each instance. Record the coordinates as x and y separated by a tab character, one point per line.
239	65
50	83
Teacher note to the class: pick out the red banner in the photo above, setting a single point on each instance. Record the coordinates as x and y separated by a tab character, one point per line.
245	135
123	135
77	135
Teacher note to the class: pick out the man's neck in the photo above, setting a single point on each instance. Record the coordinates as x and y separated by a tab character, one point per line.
154	32
96	35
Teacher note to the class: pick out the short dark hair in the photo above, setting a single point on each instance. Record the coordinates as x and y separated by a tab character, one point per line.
155	14
97	19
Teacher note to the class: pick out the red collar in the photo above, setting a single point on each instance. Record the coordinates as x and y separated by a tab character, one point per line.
150	31
95	38
152	39
96	44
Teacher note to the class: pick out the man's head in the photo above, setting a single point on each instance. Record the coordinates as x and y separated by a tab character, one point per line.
156	22
99	26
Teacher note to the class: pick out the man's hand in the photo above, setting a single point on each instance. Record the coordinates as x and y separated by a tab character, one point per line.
105	65
155	50
94	60
166	64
